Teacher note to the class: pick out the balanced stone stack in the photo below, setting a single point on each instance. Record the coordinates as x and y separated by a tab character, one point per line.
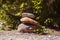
28	24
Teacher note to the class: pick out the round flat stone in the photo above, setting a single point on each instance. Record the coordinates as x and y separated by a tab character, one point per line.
30	15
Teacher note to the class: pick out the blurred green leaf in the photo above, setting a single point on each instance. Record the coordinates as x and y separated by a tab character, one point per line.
22	5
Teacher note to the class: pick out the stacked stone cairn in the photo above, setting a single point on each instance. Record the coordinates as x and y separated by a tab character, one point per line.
28	24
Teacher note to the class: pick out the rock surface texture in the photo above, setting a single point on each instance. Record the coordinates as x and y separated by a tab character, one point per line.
26	36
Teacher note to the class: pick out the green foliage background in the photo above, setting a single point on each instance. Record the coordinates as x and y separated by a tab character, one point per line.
10	11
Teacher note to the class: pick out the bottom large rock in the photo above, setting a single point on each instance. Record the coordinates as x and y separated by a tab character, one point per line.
26	28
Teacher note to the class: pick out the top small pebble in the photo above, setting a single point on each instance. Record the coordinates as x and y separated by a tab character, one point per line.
30	15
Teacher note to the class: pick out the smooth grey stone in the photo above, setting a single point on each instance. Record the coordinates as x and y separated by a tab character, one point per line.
26	27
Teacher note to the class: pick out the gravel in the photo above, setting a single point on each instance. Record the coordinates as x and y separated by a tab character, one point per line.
26	36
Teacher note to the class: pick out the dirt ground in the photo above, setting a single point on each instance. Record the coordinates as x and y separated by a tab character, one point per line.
49	32
14	35
53	31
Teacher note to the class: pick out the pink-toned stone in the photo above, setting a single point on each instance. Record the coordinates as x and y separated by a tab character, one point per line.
29	21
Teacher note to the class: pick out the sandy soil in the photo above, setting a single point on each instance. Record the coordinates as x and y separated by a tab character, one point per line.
14	35
53	31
